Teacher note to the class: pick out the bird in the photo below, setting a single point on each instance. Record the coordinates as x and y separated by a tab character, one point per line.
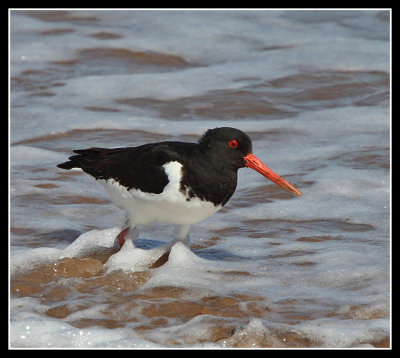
173	182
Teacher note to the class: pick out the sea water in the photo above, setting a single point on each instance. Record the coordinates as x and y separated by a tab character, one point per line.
312	90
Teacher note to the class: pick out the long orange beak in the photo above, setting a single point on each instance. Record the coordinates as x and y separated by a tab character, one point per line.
256	164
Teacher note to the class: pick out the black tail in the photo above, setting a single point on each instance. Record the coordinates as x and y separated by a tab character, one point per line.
78	161
72	163
67	165
89	159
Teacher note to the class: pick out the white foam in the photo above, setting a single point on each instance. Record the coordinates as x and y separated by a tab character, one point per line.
252	335
131	258
231	51
36	331
343	334
86	244
186	269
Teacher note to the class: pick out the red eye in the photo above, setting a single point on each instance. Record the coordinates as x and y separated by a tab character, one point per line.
233	143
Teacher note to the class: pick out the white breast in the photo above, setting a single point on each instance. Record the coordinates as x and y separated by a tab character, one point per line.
170	206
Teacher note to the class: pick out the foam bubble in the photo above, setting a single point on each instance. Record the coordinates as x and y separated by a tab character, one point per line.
35	331
88	243
131	258
326	252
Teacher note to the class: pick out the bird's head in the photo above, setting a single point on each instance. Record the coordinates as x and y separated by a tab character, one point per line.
233	147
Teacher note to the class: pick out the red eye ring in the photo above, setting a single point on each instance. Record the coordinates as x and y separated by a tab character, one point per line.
233	143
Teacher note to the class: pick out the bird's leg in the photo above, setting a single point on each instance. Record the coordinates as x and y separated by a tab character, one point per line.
182	233
134	234
121	236
120	239
129	224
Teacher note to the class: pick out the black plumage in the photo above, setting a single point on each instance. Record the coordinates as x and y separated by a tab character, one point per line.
209	167
173	182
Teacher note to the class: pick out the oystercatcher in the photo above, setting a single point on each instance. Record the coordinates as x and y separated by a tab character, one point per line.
173	182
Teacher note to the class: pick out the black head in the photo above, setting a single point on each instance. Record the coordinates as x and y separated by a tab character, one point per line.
230	145
231	148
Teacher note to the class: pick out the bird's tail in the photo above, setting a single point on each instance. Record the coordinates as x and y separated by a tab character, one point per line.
77	161
86	159
69	165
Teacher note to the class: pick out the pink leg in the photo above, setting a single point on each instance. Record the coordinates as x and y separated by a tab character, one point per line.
121	236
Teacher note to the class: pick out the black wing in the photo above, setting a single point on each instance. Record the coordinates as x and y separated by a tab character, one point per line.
133	167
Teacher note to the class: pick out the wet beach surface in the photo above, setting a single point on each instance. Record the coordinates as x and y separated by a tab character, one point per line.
269	270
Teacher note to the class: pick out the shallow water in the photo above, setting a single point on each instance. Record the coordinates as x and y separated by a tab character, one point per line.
311	88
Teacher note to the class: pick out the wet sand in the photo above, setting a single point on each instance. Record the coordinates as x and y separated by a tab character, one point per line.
314	108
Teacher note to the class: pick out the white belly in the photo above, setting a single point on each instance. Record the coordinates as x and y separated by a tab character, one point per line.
170	206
